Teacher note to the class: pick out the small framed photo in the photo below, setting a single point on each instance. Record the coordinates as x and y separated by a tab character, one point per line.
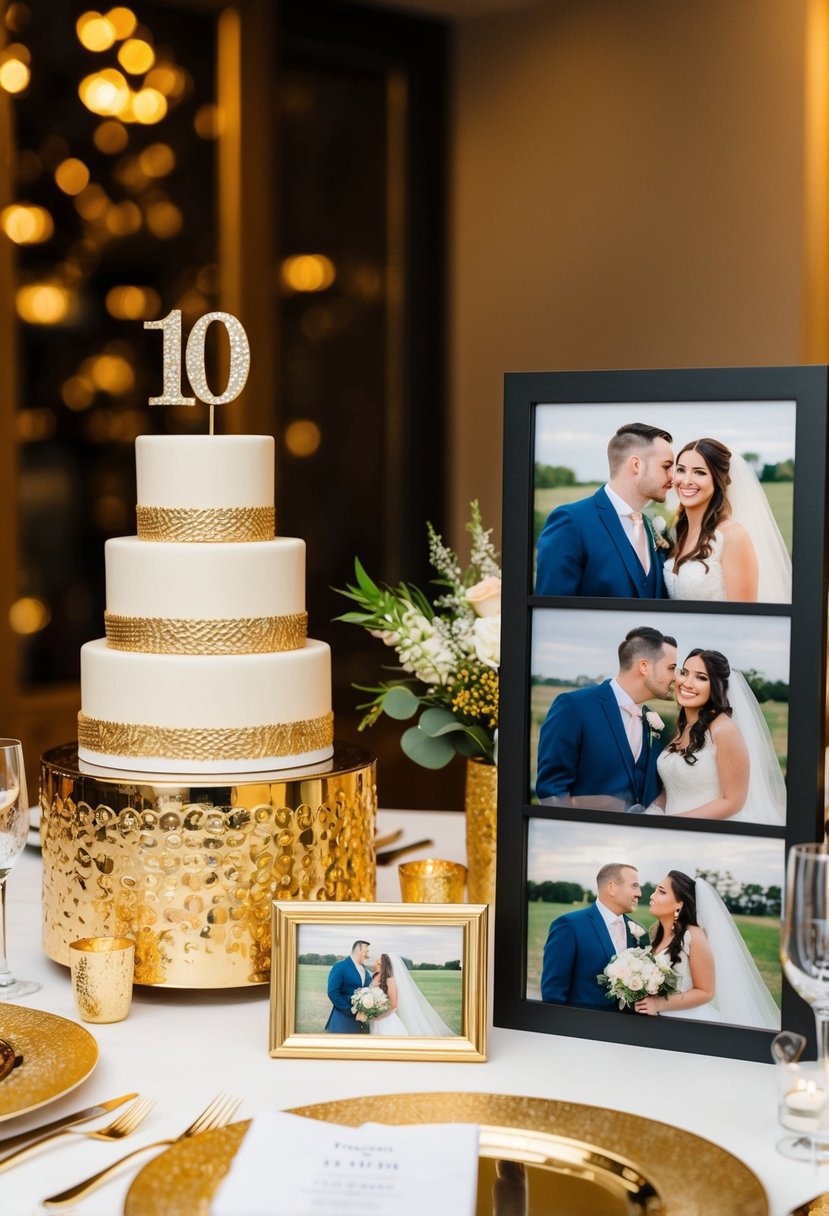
391	981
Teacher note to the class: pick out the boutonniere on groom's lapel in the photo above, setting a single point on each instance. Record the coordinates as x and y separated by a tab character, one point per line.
654	723
635	929
659	532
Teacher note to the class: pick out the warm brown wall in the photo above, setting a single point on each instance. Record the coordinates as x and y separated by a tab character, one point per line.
627	192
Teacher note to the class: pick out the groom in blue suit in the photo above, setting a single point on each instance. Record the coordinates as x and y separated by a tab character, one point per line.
581	944
597	746
604	545
344	978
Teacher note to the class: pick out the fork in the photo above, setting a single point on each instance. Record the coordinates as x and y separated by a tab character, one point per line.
220	1111
126	1123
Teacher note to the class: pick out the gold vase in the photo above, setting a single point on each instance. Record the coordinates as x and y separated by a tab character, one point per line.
481	806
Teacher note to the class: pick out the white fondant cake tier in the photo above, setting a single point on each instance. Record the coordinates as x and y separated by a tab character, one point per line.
137	697
204	471
204	581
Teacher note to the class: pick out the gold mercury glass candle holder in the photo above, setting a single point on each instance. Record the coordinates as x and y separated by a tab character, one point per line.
102	976
432	882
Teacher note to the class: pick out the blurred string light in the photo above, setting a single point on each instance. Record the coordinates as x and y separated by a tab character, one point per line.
77	393
307	272
26	224
95	32
136	56
72	175
17	17
29	614
302	437
43	303
34	425
132	303
110	137
123	21
15	72
157	160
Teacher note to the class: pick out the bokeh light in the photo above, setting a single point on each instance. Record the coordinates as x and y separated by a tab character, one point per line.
308	272
42	303
29	615
111	136
164	220
95	33
132	303
26	224
123	20
136	56
302	437
72	175
157	160
149	106
77	393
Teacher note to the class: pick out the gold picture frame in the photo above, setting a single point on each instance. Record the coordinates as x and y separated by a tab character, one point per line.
296	1003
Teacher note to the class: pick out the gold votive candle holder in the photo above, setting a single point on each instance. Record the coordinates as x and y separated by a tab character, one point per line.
102	977
433	881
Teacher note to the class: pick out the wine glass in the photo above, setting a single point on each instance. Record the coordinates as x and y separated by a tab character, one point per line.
804	950
14	827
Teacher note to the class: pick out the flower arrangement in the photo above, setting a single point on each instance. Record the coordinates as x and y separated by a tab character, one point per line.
634	973
451	649
370	1002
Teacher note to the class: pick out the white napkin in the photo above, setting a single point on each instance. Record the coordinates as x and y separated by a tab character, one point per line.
291	1166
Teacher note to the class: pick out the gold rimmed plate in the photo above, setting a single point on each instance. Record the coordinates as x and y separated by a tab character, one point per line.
57	1056
542	1156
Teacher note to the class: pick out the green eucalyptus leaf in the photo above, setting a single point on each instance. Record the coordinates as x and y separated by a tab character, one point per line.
436	721
428	753
400	702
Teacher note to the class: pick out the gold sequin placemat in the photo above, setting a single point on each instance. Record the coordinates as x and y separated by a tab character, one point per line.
57	1056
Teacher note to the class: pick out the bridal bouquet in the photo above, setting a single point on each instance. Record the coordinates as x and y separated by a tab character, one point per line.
450	647
371	1002
635	973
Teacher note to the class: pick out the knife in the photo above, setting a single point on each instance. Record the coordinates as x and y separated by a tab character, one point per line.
80	1116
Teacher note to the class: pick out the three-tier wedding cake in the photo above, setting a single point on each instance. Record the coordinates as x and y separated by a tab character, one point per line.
206	666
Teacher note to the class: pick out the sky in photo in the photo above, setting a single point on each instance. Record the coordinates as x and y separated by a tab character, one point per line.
570	642
576	435
420	943
573	852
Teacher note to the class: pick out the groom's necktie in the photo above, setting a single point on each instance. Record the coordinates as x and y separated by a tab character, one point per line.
618	934
632	718
639	540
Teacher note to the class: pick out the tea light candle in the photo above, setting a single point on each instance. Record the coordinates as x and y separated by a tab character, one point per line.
802	1106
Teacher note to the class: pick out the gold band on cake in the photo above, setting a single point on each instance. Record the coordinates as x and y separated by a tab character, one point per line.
242	635
205	743
214	525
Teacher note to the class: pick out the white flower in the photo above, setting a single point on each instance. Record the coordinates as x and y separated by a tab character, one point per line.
636	930
654	983
659	524
389	636
485	597
487	638
654	721
636	983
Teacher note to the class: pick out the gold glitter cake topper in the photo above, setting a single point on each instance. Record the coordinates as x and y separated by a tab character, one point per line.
170	327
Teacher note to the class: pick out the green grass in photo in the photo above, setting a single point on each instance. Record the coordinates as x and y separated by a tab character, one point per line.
760	933
442	989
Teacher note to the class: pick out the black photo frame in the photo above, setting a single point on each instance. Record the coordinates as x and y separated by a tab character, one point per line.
745	396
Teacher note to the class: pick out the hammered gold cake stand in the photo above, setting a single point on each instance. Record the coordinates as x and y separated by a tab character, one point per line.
189	869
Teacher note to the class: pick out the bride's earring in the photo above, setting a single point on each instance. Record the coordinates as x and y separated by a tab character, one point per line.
676	914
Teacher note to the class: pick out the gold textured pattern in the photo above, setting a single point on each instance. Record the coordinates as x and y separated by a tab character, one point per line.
189	867
243	635
230	743
481	806
673	1171
211	525
57	1056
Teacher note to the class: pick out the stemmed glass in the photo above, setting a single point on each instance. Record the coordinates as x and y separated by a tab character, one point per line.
804	950
14	827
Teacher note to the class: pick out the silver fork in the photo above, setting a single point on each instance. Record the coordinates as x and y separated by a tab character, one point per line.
220	1111
126	1123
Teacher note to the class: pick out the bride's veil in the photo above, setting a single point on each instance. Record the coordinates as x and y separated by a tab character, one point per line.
766	798
740	995
750	507
414	1011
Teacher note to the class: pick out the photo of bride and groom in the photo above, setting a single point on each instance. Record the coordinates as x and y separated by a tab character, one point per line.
410	985
683	921
677	730
717	538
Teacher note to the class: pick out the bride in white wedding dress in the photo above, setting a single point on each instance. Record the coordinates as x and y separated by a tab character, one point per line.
410	1013
721	762
718	978
728	544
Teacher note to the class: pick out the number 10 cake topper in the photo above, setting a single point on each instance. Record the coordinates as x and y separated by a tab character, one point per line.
170	326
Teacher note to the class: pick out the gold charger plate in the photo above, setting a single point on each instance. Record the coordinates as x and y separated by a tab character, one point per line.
578	1160
57	1056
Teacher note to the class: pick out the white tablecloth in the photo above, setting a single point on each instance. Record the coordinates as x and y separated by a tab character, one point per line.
183	1047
